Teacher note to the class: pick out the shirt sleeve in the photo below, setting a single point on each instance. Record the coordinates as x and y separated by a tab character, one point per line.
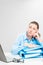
17	46
39	44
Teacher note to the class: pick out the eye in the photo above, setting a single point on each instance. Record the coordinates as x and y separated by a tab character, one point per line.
30	27
34	29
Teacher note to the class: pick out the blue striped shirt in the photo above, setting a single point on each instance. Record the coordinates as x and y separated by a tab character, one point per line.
19	44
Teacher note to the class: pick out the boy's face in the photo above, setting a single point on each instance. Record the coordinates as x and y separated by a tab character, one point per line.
32	29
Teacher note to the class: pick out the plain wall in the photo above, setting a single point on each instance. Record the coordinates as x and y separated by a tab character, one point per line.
14	17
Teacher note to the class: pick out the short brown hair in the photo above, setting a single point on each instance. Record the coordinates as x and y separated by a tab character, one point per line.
34	22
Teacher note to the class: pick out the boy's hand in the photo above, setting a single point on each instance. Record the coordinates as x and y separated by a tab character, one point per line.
30	45
38	37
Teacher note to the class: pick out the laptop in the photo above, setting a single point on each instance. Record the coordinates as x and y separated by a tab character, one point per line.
3	57
10	58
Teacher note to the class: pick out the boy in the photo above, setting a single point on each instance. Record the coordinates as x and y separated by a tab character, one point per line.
29	40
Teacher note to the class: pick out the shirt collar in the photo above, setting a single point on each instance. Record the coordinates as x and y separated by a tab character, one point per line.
25	37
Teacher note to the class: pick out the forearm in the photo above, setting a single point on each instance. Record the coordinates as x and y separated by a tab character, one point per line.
16	49
30	45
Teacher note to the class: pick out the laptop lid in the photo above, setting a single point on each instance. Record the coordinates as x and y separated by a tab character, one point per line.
2	55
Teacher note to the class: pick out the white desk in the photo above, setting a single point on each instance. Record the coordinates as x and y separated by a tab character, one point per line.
34	61
38	61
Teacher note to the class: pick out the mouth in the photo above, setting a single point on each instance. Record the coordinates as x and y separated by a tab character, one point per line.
30	32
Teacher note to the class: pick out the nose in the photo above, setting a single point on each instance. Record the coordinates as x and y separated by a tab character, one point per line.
31	30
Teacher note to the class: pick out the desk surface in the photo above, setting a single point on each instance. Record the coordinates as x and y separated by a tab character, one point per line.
38	61
33	61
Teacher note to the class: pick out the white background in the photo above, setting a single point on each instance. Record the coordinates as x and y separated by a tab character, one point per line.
14	17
